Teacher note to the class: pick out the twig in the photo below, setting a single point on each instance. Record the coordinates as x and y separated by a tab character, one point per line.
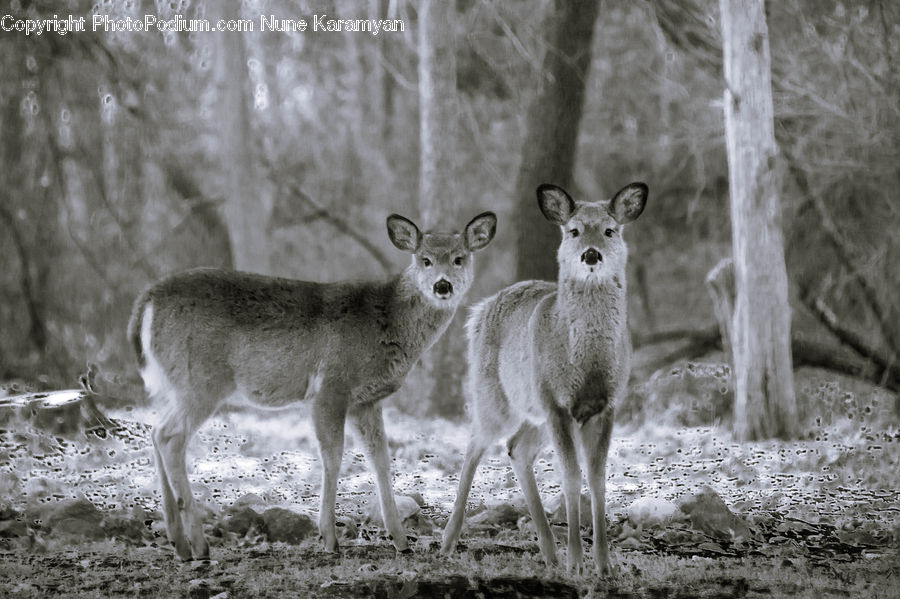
396	76
341	225
845	253
37	329
708	336
887	371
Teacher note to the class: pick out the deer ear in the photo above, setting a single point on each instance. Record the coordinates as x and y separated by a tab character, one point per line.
628	203
555	203
404	233
480	231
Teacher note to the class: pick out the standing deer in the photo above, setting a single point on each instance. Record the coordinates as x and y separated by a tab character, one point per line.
206	336
555	356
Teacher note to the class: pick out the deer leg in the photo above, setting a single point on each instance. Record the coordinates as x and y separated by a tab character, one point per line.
595	436
328	420
370	425
174	527
524	446
474	452
170	439
561	433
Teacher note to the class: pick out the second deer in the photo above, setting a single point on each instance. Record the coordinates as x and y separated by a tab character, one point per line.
208	336
554	357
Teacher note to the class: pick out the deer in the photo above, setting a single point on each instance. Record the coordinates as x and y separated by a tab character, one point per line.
551	360
206	337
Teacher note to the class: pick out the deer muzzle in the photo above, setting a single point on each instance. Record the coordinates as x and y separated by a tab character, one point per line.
591	257
443	288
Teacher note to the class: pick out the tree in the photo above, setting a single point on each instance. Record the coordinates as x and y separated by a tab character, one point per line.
245	213
765	405
548	154
438	179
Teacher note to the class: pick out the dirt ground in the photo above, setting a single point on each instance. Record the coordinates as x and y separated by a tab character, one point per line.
481	570
691	513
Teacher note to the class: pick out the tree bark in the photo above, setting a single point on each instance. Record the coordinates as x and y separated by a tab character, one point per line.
245	214
765	405
439	114
438	187
720	283
548	153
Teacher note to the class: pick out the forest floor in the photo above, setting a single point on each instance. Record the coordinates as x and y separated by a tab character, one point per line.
691	513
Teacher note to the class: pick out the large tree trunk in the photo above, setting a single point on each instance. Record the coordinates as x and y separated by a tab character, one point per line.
438	113
548	154
444	364
764	395
245	213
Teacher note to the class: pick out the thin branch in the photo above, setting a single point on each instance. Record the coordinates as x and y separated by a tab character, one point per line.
395	74
533	60
475	132
37	329
845	253
341	225
886	41
706	336
887	370
100	185
56	160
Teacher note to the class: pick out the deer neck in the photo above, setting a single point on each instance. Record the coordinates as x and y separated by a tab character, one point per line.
593	317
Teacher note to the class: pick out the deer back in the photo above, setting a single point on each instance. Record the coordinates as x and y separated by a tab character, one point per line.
215	333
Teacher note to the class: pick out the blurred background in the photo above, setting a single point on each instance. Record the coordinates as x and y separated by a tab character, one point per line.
128	156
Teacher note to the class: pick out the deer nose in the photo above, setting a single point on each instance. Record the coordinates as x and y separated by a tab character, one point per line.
591	257
443	288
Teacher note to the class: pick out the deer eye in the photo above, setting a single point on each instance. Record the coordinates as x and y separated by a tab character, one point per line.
426	262
574	233
609	232
458	260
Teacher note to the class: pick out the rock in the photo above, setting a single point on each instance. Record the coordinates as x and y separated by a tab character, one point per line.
77	517
248	500
82	529
421	525
158	528
7	512
406	507
651	511
40	487
125	528
502	515
629	543
240	520
12	529
708	513
10	484
346	528
556	510
287	526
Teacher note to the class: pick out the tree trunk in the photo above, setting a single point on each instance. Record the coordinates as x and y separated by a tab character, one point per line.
438	113
379	90
445	363
548	154
764	395
245	214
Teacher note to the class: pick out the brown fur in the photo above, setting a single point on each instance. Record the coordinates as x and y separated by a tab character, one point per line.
207	336
555	357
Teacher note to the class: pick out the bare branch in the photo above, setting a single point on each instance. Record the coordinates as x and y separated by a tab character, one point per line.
341	225
845	252
37	330
887	370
